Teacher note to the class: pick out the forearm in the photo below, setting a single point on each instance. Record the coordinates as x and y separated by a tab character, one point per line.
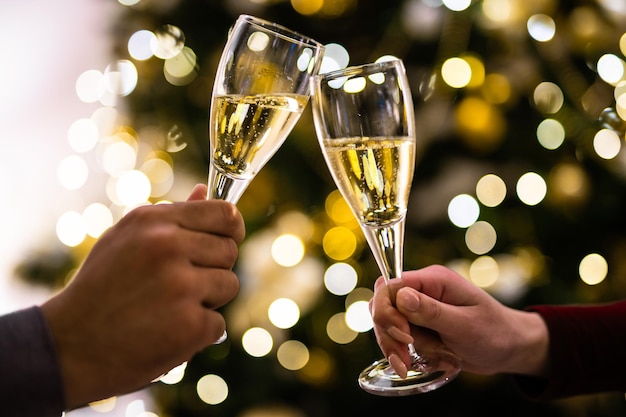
586	351
30	380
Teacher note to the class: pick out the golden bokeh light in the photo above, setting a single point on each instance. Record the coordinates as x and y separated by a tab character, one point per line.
480	237
550	134
307	7
338	330
480	124
593	269
484	271
212	389
339	243
292	355
456	72
569	183
319	368
548	97
496	89
491	190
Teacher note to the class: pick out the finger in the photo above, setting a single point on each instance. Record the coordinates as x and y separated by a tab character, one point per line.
212	216
442	284
422	310
214	326
209	250
199	192
217	287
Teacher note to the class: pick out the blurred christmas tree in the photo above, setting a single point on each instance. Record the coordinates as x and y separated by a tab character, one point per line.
520	108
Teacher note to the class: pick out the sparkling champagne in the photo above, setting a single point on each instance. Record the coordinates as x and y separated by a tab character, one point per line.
248	130
373	174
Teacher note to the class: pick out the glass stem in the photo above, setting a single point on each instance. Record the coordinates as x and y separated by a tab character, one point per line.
223	187
387	247
386	243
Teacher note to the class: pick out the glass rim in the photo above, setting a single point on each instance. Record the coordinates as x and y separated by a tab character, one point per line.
280	30
362	69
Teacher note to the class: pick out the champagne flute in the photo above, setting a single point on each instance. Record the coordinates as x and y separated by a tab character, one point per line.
261	88
365	125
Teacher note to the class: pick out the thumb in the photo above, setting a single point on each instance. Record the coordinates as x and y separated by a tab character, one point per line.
199	192
424	311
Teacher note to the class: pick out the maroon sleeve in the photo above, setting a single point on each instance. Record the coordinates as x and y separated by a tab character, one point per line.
30	377
587	351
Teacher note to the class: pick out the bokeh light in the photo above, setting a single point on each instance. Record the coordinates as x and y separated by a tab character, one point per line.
71	229
611	68
339	243
72	172
292	355
141	43
480	237
358	317
593	269
340	278
287	250
82	135
491	190
531	188
257	342
212	389
607	144
284	313
463	210
484	271
541	27
338	330
550	134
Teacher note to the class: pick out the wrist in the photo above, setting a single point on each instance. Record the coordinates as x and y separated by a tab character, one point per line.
530	350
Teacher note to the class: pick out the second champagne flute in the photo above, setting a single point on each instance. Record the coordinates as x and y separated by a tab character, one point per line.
365	125
261	88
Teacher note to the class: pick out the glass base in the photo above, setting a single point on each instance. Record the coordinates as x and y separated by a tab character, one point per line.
425	375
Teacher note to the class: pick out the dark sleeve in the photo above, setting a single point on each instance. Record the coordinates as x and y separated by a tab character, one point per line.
30	378
587	351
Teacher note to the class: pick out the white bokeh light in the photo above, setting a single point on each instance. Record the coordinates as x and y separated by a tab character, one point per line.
463	210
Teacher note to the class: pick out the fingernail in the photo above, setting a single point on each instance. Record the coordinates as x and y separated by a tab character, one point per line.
398	365
399	335
409	300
